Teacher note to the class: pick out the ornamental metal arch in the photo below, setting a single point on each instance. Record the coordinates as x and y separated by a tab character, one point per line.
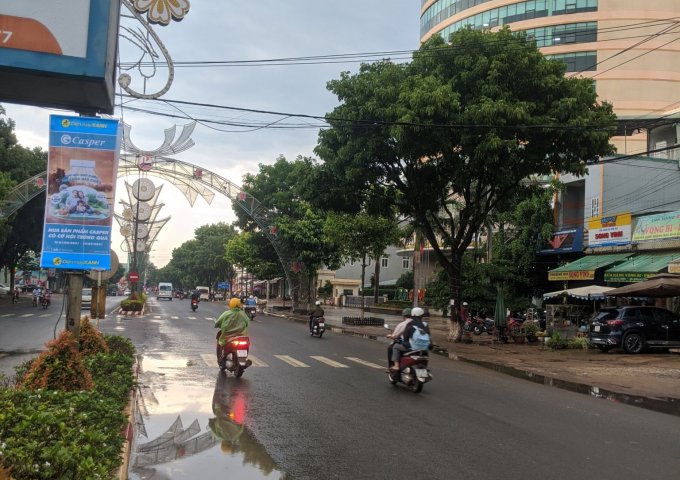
192	179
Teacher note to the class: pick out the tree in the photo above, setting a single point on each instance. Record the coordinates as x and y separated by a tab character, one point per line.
457	131
360	237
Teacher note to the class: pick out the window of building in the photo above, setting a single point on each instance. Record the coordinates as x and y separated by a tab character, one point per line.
406	263
384	262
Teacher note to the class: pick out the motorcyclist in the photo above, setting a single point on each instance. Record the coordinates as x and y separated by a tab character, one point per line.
398	350
251	304
46	296
196	295
316	313
15	295
397	334
36	295
232	323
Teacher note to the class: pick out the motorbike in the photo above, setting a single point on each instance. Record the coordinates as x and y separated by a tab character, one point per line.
194	304
482	324
413	370
15	297
318	326
250	311
44	302
513	328
233	356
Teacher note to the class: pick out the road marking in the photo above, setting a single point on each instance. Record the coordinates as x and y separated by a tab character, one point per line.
328	361
210	318
191	318
209	359
26	315
157	317
291	361
364	362
8	315
174	317
45	315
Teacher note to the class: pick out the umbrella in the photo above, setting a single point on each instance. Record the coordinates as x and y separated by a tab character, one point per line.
661	285
499	315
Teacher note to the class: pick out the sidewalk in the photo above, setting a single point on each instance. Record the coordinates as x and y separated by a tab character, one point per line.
655	375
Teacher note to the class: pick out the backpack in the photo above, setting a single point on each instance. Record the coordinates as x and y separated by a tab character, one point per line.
420	339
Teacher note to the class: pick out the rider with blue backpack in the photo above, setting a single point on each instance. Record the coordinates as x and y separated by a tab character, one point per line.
416	337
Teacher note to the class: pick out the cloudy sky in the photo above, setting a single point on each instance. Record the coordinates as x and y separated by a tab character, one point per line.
245	30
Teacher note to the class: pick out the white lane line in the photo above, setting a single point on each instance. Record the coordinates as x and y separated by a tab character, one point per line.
364	362
211	361
156	317
26	315
210	318
7	314
45	315
291	361
328	361
191	318
174	317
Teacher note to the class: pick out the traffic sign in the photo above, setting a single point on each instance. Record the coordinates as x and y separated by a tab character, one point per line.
133	277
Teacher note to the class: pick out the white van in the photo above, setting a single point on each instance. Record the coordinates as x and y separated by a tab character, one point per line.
164	291
204	292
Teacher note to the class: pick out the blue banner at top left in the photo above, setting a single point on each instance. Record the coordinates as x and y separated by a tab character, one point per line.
81	185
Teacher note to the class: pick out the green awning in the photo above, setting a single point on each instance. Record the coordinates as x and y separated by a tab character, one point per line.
584	268
640	267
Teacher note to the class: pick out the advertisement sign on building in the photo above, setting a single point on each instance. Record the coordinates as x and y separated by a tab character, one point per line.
82	169
565	241
610	230
656	227
573	275
59	53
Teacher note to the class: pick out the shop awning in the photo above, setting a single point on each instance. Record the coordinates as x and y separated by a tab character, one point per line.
591	292
640	267
584	268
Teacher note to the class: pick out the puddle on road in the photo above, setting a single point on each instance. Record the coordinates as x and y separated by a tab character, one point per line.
667	405
187	428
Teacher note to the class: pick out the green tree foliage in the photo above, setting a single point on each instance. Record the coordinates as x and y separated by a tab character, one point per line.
21	232
455	132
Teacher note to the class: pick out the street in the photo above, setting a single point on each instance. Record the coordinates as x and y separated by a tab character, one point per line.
315	408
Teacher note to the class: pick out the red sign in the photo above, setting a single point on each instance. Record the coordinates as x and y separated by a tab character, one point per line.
133	277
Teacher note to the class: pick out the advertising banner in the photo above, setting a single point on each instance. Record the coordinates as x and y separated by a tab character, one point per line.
655	227
81	185
575	275
564	241
610	230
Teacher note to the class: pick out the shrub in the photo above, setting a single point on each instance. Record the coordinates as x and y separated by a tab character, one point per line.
530	329
132	305
556	342
60	367
118	344
91	341
111	374
578	342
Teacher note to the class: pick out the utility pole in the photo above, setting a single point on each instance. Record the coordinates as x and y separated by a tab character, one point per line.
74	302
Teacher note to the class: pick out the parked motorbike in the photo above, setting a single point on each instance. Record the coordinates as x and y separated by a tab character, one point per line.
233	356
318	326
513	328
482	324
194	304
413	370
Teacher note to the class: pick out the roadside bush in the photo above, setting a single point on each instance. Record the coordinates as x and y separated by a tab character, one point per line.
60	367
556	342
132	305
111	374
578	343
91	341
118	344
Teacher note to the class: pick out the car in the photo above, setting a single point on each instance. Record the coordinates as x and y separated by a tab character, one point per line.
634	328
28	288
127	292
86	299
4	289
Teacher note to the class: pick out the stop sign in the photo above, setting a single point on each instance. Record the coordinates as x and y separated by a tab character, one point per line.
133	277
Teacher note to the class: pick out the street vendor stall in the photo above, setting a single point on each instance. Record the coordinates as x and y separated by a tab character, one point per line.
575	312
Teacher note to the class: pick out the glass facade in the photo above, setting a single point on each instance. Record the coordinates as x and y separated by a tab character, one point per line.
577	61
443	9
569	33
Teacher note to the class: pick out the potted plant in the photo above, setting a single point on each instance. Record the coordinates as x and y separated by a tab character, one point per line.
530	330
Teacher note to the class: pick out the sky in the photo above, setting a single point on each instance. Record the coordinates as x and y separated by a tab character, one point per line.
243	30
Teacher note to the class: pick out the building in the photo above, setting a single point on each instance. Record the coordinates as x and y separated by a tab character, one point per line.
626	46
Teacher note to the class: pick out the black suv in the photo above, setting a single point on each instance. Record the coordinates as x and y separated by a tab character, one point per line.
634	328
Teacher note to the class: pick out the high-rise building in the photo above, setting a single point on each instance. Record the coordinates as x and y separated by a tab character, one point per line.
630	48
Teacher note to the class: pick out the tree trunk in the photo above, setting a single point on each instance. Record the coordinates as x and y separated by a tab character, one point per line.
376	283
455	322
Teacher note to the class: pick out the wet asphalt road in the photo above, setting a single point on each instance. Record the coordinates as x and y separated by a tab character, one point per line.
314	408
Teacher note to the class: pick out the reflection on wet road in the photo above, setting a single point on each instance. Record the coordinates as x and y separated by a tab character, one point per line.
216	442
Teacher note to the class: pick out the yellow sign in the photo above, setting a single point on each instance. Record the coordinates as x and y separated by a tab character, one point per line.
674	268
654	227
575	275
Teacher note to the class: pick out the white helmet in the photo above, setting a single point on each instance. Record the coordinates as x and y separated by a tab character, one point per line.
318	302
417	312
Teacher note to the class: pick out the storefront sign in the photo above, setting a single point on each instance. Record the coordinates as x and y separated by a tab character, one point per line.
610	230
575	275
655	227
82	170
59	53
674	267
627	276
564	241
